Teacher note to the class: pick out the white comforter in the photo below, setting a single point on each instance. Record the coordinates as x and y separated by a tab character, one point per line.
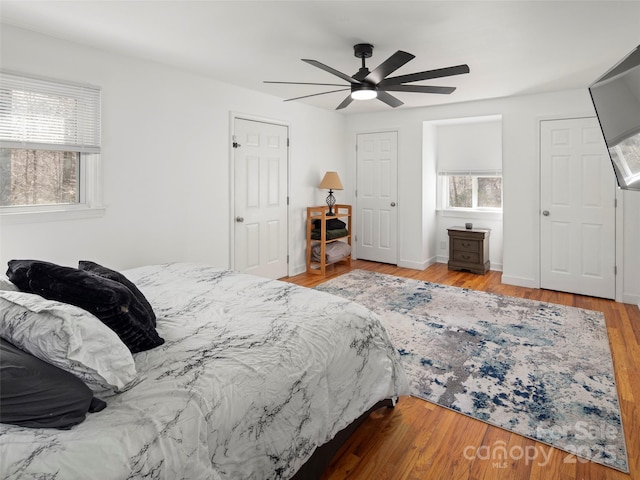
254	375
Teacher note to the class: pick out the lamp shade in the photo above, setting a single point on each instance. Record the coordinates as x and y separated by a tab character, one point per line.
331	181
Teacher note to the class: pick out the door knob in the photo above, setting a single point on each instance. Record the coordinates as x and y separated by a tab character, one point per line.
239	219
545	213
393	204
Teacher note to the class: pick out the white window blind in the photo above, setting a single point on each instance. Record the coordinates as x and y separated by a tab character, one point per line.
469	148
47	114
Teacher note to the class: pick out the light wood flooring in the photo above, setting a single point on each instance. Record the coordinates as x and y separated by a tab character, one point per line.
420	440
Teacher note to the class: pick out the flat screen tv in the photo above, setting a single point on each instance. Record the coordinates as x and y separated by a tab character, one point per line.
616	99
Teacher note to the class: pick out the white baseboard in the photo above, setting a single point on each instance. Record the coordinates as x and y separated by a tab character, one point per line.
631	299
519	281
297	270
416	265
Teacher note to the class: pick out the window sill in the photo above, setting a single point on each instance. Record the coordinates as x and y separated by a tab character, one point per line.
8	217
471	214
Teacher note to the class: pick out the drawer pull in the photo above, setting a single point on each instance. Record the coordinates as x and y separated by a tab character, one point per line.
466	257
466	245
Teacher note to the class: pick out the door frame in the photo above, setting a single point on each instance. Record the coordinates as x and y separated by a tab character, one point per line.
618	229
233	116
355	218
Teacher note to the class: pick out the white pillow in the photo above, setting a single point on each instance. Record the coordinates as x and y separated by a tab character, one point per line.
6	284
68	337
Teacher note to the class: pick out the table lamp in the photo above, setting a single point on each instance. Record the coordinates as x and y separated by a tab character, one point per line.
331	181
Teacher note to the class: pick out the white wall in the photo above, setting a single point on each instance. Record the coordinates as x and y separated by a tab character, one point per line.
166	156
418	232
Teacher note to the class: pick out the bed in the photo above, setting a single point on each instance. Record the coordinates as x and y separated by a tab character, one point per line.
253	379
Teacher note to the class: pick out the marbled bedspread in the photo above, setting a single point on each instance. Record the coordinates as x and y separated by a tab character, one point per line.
254	375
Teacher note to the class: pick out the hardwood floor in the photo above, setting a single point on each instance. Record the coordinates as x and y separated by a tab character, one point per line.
419	440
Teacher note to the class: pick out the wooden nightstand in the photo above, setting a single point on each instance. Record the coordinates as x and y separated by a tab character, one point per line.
469	249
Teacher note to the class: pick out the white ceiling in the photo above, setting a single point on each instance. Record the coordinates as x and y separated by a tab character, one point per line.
512	47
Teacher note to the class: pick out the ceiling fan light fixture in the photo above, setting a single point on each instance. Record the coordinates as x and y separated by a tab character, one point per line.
363	92
367	85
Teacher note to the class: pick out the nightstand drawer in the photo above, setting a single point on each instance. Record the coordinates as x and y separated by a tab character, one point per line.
468	257
465	245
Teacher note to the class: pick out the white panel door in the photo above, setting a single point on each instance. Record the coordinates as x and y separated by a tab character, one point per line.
577	206
377	192
260	189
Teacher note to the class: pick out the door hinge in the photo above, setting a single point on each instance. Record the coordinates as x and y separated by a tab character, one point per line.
287	141
287	259
615	203
615	270
287	200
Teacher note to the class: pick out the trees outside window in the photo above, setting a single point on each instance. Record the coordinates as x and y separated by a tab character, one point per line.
38	177
474	191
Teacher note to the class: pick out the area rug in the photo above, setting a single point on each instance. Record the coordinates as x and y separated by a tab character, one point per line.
537	369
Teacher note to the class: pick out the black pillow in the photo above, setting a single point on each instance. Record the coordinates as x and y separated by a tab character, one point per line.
110	301
332	223
105	272
17	273
36	394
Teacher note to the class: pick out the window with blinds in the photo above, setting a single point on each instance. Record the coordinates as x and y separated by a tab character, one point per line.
49	133
469	163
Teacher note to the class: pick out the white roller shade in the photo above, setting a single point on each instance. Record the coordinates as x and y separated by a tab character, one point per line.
469	148
48	114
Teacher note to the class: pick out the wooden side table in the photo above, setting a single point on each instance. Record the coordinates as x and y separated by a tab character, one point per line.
320	213
469	249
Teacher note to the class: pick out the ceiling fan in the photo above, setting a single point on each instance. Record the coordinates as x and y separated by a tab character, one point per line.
365	84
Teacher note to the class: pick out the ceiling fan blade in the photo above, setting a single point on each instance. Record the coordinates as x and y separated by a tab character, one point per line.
307	83
316	94
429	74
345	102
419	89
332	71
389	66
389	99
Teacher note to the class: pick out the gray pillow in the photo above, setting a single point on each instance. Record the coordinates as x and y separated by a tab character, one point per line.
37	394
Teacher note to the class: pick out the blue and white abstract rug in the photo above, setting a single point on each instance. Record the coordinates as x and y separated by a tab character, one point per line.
537	369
